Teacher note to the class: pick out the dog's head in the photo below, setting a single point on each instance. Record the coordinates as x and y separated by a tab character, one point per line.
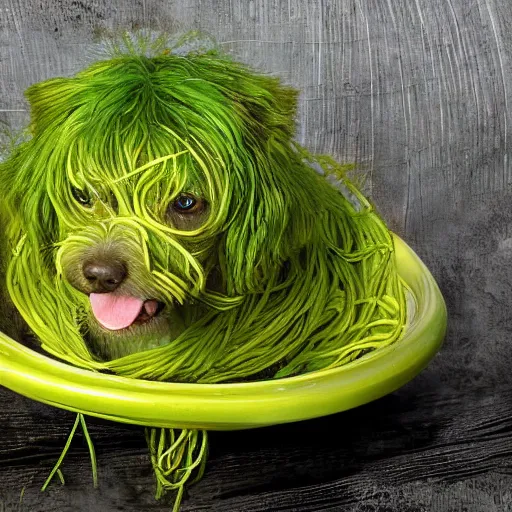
154	190
163	224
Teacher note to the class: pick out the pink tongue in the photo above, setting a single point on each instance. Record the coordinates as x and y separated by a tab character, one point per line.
114	311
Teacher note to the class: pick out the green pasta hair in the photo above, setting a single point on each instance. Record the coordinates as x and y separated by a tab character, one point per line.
308	273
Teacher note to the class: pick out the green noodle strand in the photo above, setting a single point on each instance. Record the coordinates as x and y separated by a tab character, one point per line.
92	452
80	419
176	458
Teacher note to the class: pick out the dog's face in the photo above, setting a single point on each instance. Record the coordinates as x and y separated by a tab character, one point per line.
150	191
140	294
140	246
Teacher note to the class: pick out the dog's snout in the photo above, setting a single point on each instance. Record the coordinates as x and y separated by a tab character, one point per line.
104	276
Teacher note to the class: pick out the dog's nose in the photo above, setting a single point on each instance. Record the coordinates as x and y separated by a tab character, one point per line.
104	276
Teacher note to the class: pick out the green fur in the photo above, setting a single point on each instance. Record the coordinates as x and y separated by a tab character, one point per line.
141	130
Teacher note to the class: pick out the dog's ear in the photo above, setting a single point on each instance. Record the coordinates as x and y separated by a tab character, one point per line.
51	102
267	108
272	212
21	178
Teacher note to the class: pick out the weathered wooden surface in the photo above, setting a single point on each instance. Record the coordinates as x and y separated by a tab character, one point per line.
418	93
423	448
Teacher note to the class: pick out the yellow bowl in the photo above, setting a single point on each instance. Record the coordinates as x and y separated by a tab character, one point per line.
241	405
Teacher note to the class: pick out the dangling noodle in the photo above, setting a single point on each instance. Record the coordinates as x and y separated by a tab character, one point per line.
309	277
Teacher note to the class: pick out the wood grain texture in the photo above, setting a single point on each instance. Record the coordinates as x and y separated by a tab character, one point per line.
417	92
415	450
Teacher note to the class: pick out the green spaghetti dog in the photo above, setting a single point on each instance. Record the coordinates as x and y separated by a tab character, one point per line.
163	224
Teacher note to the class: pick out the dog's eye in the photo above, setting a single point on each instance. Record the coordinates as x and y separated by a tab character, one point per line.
81	196
186	203
187	212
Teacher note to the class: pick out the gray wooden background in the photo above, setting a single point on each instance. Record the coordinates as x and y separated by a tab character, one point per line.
418	92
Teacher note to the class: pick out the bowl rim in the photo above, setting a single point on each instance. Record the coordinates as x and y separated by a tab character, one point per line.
246	404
